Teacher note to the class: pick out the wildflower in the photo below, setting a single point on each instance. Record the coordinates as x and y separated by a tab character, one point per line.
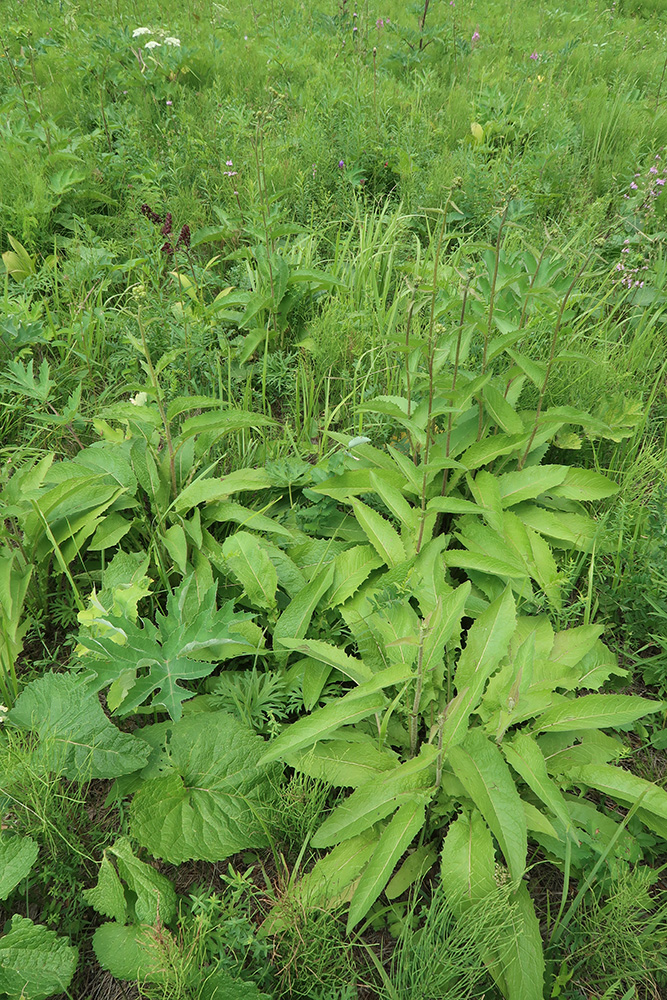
140	399
150	214
534	56
341	164
379	23
169	103
475	36
152	44
166	228
172	41
183	237
141	31
653	170
660	181
633	186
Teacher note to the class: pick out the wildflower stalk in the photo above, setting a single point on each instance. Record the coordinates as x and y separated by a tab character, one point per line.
160	406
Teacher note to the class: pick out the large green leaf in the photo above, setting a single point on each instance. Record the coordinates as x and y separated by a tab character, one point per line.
156	658
352	707
223	422
377	799
131	952
107	896
481	769
525	756
250	564
468	862
585	484
295	619
154	895
342	764
17	856
524	971
529	483
394	840
75	737
34	962
486	645
383	537
622	785
210	795
330	655
596	711
351	569
210	490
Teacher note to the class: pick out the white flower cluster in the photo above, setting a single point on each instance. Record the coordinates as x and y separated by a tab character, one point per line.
153	43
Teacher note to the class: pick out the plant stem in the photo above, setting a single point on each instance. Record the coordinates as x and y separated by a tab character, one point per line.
160	405
552	354
487	334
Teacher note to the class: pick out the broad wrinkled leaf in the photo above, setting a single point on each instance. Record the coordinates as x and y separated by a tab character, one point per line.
479	766
132	952
17	856
34	962
76	738
209	798
155	896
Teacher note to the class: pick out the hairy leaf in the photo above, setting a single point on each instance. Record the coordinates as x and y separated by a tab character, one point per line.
34	962
75	737
210	796
17	856
596	711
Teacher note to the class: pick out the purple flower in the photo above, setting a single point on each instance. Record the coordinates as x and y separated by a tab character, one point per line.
341	164
633	186
653	170
534	55
170	103
660	181
475	36
379	23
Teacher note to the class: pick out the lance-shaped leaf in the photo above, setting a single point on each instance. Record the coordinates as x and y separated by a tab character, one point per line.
252	567
177	648
352	707
377	799
342	764
295	619
479	766
486	645
351	569
468	861
625	787
211	795
394	840
528	484
75	737
525	756
596	711
383	537
524	971
330	655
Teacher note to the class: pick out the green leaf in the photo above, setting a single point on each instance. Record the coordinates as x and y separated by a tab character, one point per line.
413	869
395	501
178	647
529	483
484	452
221	986
625	787
295	619
382	536
210	490
564	528
228	510
307	730
377	799
479	766
332	656
441	625
351	568
500	411
108	896
176	545
210	795
342	764
223	422
486	645
327	884
596	711
109	533
34	962
155	896
585	484
468	860
17	856
394	840
131	953
524	969
251	565
75	737
525	756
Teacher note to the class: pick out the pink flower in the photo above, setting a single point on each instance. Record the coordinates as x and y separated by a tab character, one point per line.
475	36
534	55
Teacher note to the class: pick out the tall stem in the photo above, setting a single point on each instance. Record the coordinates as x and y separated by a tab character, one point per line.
552	355
487	334
160	406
